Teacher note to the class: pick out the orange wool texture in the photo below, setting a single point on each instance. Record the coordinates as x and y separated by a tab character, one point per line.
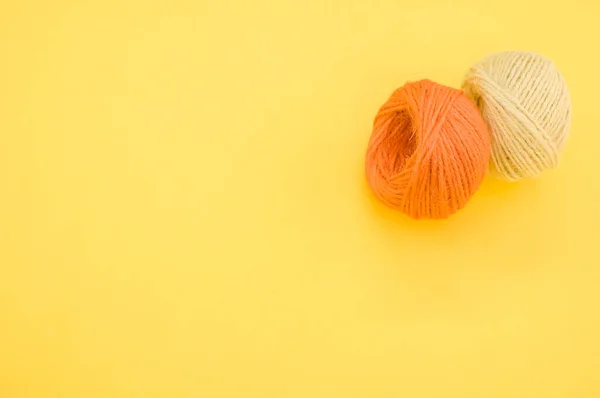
429	150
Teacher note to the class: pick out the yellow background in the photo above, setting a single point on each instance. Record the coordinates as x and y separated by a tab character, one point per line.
183	209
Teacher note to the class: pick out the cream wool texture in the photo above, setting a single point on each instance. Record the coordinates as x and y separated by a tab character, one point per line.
525	103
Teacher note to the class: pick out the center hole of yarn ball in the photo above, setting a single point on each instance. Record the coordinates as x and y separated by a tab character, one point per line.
401	142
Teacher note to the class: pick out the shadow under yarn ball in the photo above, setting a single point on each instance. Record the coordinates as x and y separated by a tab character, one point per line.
525	103
429	150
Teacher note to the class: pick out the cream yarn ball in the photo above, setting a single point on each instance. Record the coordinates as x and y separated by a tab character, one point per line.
524	100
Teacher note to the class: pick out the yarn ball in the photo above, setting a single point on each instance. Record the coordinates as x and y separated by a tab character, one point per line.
429	150
525	102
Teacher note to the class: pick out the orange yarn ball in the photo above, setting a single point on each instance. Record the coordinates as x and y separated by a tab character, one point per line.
429	150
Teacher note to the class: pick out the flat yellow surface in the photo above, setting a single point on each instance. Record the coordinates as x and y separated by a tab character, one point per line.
184	213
